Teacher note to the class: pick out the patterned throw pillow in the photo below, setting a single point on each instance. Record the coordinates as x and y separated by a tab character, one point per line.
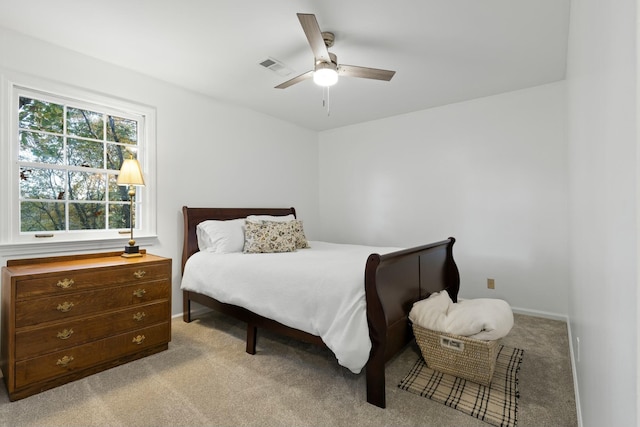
268	237
298	234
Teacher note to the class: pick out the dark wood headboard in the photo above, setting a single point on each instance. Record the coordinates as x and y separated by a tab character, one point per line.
194	216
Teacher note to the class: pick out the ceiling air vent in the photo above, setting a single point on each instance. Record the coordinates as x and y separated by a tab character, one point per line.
276	66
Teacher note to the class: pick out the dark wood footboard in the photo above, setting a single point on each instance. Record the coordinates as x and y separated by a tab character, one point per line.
393	282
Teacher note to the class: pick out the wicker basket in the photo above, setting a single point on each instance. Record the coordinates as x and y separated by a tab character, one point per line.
460	356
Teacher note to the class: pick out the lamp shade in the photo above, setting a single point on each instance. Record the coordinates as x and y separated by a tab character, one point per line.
130	173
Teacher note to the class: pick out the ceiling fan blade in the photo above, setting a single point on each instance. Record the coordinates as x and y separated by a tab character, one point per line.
365	72
314	35
295	80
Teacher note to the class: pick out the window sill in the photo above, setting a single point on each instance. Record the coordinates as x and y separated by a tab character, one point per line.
20	250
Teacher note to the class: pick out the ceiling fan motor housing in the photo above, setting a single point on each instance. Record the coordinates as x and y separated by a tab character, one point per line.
320	64
328	38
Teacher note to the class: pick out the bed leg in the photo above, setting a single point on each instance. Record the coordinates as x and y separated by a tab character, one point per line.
375	382
186	307
252	332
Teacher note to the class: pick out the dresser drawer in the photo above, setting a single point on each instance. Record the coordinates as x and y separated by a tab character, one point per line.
60	283
57	308
85	356
32	342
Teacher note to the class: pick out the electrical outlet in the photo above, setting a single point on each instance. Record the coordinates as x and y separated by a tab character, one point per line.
491	284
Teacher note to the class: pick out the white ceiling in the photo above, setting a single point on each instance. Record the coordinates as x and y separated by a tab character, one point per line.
443	51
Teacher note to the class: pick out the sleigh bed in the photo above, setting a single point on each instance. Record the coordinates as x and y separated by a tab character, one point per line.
392	283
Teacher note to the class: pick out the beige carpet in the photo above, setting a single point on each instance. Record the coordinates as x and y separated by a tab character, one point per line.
207	379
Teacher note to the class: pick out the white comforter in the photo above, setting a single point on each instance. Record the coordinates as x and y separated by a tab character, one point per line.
319	290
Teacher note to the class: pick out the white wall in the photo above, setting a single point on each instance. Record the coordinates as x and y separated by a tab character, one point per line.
602	97
490	172
208	153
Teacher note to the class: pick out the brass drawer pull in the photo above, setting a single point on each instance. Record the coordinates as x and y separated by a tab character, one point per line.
64	361
139	316
139	292
65	284
63	335
139	274
65	306
138	340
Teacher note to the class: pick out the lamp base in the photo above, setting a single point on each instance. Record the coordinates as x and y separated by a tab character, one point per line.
131	252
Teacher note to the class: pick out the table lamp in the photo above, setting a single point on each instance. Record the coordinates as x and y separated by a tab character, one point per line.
131	175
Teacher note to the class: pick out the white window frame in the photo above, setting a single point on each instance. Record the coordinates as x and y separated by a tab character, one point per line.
11	239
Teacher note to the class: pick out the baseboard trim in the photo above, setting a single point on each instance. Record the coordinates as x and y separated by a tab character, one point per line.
538	313
575	375
194	311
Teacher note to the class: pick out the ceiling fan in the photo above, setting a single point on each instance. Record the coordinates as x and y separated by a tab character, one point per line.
327	70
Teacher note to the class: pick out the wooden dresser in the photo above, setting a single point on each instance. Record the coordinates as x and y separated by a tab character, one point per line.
67	317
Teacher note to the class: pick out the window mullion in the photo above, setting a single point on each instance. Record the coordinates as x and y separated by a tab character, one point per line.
65	162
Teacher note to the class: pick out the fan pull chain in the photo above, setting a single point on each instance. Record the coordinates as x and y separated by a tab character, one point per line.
325	99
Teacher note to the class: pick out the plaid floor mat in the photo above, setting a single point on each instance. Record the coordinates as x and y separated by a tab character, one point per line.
496	404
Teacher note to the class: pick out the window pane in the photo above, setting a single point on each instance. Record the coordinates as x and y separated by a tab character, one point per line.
84	123
119	216
122	130
41	216
87	216
89	154
40	115
117	193
36	183
86	186
115	155
40	148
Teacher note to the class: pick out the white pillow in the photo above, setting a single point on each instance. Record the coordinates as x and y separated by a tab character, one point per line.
221	236
274	218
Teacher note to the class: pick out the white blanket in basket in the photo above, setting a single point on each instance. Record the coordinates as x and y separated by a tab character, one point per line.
484	319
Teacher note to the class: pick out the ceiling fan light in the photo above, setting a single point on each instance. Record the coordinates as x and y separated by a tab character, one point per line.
325	77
